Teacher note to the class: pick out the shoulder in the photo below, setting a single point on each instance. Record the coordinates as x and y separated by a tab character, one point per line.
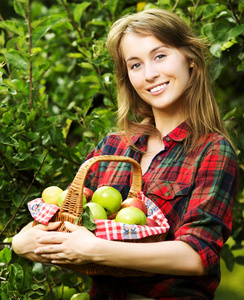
113	144
218	144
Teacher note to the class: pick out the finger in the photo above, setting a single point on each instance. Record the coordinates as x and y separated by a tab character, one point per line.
50	226
71	227
50	249
52	238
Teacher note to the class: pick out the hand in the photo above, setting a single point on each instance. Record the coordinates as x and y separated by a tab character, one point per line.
26	241
67	248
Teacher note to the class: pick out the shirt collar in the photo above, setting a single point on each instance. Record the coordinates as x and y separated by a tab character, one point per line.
178	135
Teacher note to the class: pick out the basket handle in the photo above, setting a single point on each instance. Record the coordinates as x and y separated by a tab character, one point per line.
75	207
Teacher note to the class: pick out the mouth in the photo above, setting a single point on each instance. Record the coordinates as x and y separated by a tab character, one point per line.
158	87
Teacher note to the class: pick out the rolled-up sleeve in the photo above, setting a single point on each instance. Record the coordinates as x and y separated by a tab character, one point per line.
207	222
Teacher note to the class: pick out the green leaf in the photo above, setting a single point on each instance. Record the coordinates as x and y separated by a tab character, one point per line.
212	9
5	255
18	60
216	50
228	257
230	114
87	219
240	260
40	70
236	31
7	117
111	5
4	296
16	276
79	9
11	26
240	67
20	7
41	30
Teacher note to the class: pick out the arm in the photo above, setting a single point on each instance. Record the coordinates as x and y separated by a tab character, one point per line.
81	246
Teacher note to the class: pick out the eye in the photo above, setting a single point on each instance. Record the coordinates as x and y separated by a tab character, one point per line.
160	56
135	66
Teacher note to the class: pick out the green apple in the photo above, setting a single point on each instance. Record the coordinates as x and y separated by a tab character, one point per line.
80	296
63	195
109	198
98	212
50	194
131	215
63	292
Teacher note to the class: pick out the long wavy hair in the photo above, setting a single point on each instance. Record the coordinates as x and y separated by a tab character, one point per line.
199	106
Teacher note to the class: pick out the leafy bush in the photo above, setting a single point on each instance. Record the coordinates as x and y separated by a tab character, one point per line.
58	99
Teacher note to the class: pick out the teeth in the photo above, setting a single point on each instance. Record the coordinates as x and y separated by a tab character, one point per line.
157	88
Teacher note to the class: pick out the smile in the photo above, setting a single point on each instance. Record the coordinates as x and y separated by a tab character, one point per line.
157	88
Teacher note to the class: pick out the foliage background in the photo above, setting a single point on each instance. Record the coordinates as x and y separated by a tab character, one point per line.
58	99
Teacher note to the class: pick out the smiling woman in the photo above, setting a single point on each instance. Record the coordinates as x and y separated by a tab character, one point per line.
170	125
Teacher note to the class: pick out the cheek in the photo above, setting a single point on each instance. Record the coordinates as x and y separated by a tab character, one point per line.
135	81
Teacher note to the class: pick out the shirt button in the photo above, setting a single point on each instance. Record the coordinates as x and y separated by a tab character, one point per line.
168	139
167	194
159	158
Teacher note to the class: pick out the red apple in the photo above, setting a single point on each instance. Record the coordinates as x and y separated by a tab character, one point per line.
88	193
151	223
135	202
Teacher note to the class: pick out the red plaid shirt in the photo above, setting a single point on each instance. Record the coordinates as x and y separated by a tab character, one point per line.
195	191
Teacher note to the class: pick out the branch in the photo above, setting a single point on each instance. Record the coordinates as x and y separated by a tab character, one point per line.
30	53
81	38
233	12
33	180
176	3
53	151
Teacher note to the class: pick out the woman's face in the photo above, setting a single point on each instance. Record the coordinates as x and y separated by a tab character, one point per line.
158	73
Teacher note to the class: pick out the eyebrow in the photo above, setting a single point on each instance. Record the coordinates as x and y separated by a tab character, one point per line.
153	50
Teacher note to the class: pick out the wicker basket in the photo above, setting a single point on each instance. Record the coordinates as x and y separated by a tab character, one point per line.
73	206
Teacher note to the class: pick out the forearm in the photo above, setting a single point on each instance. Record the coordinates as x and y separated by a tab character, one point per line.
169	257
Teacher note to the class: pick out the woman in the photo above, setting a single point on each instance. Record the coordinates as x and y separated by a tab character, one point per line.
172	127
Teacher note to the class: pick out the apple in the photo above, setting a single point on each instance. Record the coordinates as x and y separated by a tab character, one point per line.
63	195
88	193
50	194
98	212
135	202
131	215
63	292
80	296
151	223
109	198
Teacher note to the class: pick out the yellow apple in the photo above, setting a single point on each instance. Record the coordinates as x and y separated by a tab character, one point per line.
50	194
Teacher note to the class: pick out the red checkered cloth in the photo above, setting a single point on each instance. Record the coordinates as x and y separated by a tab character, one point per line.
42	212
109	229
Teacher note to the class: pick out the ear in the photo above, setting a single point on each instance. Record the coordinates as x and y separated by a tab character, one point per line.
192	64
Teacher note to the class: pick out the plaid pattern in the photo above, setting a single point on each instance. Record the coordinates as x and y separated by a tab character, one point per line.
195	192
42	212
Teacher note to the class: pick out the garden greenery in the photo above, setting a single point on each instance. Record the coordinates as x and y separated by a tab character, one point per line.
58	99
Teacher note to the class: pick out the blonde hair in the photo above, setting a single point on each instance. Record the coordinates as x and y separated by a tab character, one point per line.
134	115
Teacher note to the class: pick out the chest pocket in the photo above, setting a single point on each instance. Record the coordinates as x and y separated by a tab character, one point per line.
171	197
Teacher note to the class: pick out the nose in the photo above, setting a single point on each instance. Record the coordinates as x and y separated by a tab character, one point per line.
151	72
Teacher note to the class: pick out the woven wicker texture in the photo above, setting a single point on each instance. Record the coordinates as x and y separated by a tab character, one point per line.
73	206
